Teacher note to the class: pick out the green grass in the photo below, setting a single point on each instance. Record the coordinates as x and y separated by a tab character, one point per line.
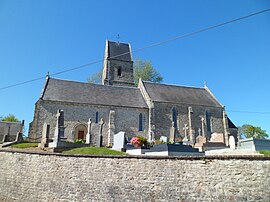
265	152
94	150
25	145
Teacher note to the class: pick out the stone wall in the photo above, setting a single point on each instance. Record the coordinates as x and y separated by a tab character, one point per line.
11	129
163	119
44	177
126	119
112	77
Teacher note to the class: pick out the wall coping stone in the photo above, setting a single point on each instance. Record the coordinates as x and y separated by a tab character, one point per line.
218	157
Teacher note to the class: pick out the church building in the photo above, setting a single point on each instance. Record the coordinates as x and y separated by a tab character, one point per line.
150	109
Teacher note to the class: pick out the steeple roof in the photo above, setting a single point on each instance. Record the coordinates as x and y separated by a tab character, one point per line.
117	48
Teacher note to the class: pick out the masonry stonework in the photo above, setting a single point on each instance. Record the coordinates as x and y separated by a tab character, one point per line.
36	177
160	105
163	119
126	119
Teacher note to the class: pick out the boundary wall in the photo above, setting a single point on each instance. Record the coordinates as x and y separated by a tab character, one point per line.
26	176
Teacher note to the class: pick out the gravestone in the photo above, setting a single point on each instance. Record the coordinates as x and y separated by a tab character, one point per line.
172	133
200	140
111	129
119	140
19	137
45	136
232	142
59	129
89	135
216	142
173	150
185	132
217	137
100	136
203	126
163	139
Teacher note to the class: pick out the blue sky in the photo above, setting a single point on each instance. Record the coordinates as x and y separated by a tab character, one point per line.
37	37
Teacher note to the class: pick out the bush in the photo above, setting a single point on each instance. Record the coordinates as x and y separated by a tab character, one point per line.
81	141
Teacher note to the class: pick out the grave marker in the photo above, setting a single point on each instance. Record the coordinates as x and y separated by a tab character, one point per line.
89	135
119	141
100	136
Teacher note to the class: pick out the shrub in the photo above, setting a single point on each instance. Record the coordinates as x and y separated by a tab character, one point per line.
81	141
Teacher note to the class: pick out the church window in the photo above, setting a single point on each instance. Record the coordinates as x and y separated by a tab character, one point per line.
119	71
208	121
96	117
174	117
140	122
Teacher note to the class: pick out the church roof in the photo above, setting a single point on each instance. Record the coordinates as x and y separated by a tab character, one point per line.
180	94
87	93
230	123
116	48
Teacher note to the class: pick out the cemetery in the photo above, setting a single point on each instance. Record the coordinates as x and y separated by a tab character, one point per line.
121	142
138	145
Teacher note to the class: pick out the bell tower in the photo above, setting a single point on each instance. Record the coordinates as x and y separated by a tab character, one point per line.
118	65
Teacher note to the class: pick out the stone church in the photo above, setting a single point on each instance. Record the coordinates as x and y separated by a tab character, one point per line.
150	110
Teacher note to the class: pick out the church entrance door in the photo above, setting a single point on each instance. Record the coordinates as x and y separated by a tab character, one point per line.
80	131
81	134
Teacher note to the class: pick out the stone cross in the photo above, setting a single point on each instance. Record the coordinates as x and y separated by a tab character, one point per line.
203	128
190	112
226	128
111	130
59	129
45	136
185	129
100	137
89	135
172	133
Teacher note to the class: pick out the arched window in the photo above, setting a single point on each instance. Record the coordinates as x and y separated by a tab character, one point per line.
208	121
140	122
119	71
174	117
96	117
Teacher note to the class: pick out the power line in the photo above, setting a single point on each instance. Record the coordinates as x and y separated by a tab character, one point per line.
143	48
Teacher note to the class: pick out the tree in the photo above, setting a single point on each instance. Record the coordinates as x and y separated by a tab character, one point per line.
142	69
10	118
95	78
253	131
146	71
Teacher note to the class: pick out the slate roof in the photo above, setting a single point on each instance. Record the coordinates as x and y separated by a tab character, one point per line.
230	123
116	48
180	94
87	93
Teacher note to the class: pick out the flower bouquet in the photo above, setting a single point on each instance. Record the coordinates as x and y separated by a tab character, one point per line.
138	141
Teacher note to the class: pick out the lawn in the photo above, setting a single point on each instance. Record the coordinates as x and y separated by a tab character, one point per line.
94	150
25	145
265	152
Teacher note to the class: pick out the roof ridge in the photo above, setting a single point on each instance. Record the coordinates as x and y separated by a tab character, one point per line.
174	85
88	83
